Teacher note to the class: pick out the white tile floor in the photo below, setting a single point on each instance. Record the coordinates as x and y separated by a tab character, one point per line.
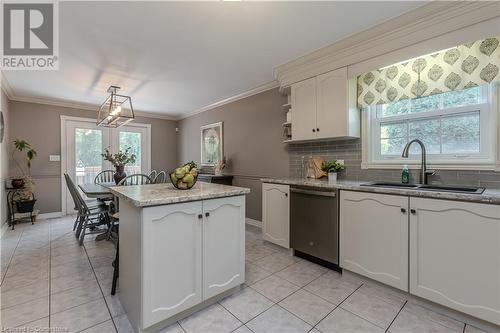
50	281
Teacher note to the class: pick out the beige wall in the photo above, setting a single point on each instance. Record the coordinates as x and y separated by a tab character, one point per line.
252	141
4	157
41	126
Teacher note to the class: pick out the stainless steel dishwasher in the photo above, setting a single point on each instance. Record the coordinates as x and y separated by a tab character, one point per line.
314	225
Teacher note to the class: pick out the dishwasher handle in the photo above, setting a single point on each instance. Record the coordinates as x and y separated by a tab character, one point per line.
313	192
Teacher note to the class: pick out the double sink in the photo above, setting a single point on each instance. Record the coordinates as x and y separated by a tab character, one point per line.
426	187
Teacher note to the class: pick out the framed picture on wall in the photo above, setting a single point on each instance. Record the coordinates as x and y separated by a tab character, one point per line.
211	144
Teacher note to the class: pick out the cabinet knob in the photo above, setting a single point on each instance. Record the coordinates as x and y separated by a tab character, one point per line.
200	216
413	211
403	210
317	129
311	243
314	130
207	214
286	194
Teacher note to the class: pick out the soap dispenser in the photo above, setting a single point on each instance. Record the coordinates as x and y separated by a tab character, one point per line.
405	175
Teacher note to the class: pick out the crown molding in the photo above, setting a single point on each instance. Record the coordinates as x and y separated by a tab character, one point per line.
245	94
69	104
423	23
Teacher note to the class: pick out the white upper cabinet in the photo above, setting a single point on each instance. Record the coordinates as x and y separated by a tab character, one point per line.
304	110
374	236
455	255
325	107
276	214
337	115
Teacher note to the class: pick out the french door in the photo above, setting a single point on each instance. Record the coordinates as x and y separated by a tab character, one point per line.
83	144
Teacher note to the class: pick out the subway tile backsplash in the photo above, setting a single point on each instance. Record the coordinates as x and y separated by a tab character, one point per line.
350	152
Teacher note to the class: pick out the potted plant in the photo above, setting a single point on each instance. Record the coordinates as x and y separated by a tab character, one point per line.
331	168
119	160
24	199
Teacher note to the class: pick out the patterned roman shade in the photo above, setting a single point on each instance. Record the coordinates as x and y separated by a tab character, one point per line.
465	66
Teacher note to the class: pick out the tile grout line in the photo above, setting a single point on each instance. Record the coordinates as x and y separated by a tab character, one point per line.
100	288
337	306
397	314
11	257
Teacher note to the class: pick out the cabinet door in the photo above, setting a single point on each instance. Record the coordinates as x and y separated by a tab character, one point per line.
374	236
332	108
304	110
223	244
276	214
455	255
171	260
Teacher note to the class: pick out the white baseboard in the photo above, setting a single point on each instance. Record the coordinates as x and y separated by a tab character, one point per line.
253	222
46	216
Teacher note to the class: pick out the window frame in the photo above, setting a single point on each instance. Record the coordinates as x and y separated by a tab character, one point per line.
487	159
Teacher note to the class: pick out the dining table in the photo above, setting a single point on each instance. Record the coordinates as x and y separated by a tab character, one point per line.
99	191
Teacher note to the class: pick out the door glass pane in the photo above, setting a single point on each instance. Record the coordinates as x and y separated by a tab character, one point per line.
131	140
88	149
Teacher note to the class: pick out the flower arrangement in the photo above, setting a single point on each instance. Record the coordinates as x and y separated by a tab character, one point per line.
119	159
332	166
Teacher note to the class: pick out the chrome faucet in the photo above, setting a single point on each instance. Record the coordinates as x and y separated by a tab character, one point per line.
423	167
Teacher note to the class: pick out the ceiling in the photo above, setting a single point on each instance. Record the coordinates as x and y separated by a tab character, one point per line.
174	58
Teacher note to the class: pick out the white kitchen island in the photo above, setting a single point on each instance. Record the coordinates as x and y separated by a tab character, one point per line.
179	250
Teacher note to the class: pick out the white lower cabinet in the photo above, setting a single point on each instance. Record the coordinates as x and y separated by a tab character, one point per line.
374	236
455	255
223	255
276	214
172	260
190	253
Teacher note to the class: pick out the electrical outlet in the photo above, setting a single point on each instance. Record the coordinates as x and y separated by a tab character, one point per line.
54	158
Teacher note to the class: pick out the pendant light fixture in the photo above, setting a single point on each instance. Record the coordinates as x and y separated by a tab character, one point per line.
116	110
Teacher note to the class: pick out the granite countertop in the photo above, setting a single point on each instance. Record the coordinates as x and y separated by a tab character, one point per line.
164	194
491	196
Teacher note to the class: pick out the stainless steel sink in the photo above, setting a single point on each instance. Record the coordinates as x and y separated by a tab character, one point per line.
455	189
437	188
391	185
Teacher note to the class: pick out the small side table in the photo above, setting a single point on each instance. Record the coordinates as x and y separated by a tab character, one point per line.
14	216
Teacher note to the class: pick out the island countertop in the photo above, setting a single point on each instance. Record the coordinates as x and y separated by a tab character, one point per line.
165	194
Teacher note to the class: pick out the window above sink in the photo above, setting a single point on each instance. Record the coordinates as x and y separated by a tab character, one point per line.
458	128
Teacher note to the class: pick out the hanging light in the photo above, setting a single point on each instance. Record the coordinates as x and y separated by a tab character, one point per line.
116	110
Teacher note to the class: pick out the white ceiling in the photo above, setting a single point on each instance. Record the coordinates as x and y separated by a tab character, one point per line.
176	57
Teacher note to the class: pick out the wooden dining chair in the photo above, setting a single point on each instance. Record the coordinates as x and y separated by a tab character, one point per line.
106	176
137	179
153	174
89	217
161	177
